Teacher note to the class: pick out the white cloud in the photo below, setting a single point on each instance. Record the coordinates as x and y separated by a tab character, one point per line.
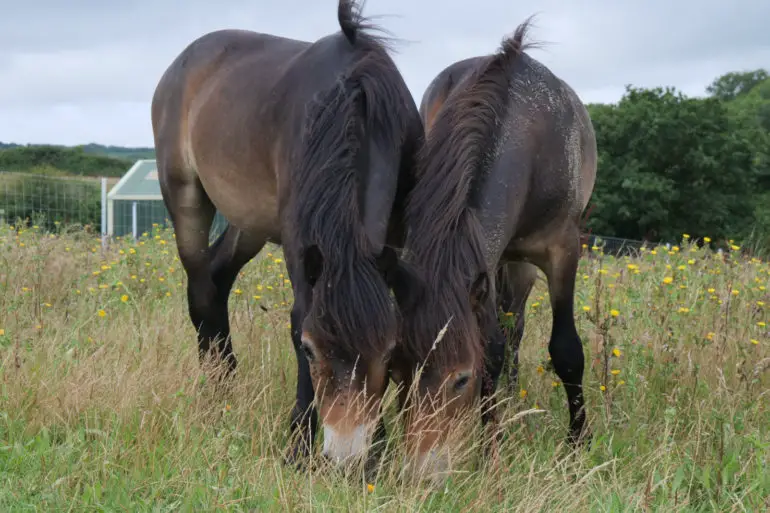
85	70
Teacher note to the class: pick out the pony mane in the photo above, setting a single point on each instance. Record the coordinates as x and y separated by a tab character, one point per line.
445	237
366	102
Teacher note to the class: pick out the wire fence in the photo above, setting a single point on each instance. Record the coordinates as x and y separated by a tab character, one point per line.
54	202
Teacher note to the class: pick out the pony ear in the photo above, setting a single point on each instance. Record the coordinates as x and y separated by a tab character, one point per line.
480	290
407	286
312	262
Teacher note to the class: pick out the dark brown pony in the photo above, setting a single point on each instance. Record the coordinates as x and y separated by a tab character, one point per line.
307	145
507	168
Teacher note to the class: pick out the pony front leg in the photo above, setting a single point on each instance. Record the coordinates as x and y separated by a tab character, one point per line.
304	417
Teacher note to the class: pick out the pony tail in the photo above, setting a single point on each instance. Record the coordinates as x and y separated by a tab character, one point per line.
512	47
350	19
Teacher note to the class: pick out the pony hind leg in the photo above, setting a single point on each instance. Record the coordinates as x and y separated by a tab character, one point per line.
192	214
565	346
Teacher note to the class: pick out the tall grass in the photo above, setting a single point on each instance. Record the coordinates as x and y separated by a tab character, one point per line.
103	406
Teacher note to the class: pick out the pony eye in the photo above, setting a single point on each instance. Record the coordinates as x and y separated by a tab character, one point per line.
308	352
462	382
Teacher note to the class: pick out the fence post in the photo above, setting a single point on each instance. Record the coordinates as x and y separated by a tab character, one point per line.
134	229
104	212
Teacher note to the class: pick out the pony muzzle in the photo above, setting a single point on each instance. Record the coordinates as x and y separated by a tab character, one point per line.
349	445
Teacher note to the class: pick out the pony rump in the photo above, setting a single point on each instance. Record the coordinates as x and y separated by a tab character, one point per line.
365	104
445	238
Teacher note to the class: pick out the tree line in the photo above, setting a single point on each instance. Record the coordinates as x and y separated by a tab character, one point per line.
668	164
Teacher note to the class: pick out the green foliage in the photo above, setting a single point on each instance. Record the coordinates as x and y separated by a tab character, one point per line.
669	164
73	161
735	84
120	152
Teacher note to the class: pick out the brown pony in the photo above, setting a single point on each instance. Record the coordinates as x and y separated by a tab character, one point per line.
307	145
508	166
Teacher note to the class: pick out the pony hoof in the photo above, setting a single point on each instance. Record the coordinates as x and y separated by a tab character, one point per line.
580	439
297	456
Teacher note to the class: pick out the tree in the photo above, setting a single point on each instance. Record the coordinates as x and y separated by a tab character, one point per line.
668	165
732	85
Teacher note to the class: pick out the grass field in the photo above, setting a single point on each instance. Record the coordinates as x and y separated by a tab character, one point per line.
103	406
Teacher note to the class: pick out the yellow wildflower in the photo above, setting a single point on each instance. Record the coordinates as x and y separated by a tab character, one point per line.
102	313
668	279
615	372
616	352
614	313
523	393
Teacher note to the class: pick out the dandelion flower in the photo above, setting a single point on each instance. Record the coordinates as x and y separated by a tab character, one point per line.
621	382
616	352
761	324
710	335
755	341
124	298
540	369
735	292
668	279
102	313
685	236
602	388
370	488
523	393
614	313
509	314
586	308
711	290
615	372
2	332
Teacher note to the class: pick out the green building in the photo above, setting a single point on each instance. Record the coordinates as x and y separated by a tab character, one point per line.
135	203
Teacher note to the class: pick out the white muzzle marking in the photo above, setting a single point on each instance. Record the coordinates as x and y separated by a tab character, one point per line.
340	447
433	466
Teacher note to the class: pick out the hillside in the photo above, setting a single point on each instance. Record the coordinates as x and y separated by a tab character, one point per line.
87	160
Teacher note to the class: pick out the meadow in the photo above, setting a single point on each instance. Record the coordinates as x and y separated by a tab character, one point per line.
103	406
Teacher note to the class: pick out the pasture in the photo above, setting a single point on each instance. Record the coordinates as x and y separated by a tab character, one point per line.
103	406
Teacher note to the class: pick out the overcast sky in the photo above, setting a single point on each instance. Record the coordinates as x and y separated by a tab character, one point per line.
80	71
